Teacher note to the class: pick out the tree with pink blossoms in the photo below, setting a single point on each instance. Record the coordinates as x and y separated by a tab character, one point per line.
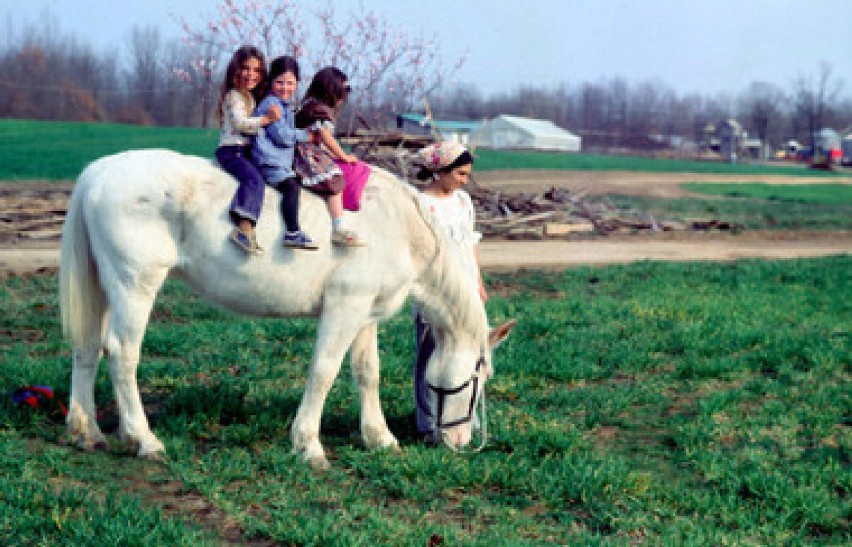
387	67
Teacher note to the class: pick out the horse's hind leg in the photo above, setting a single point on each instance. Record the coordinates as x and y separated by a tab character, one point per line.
364	356
82	419
123	343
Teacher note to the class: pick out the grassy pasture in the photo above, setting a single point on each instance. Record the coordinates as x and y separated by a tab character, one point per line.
820	194
678	404
59	151
752	206
494	159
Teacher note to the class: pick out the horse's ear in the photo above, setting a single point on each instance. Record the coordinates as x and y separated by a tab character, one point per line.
498	334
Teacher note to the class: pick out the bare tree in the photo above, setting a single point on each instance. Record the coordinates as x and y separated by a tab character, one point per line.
647	113
812	98
198	68
143	79
462	101
385	64
762	105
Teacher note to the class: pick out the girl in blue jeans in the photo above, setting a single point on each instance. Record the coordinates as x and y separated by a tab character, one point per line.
244	79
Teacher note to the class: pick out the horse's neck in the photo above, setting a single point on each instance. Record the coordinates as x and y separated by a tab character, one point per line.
443	291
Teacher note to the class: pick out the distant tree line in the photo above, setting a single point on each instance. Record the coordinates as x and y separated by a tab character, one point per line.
48	76
615	114
45	75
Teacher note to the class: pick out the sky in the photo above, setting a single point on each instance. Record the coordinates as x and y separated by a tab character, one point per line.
702	46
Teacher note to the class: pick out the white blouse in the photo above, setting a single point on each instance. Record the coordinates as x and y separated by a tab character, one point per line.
237	122
457	217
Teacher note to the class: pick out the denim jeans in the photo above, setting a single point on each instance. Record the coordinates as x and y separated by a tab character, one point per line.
289	189
248	200
426	422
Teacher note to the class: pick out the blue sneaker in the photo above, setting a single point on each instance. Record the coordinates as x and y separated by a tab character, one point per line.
246	242
299	240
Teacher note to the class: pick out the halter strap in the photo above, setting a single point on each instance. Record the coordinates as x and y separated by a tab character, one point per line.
444	392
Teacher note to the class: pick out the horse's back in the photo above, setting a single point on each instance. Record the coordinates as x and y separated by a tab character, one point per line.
138	182
154	212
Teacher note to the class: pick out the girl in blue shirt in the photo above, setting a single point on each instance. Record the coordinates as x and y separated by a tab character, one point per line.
274	146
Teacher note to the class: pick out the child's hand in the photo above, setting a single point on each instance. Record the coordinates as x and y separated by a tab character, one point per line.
272	115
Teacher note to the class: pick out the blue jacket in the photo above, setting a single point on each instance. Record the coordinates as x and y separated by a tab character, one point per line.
274	144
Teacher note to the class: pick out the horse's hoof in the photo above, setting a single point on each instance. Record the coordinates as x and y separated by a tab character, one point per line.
318	464
91	446
155	457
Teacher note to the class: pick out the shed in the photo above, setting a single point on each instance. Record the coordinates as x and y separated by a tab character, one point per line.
451	130
846	151
526	133
731	139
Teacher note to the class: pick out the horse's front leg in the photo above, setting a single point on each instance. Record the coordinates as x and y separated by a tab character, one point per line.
364	356
338	326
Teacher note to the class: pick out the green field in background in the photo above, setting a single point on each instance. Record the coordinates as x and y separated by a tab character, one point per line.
60	150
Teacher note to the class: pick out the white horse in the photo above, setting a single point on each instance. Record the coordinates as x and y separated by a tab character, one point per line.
136	217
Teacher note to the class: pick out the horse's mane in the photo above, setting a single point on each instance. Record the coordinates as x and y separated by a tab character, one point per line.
444	292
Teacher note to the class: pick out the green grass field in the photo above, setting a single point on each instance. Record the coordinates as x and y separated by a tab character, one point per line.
750	206
493	159
661	404
820	194
60	150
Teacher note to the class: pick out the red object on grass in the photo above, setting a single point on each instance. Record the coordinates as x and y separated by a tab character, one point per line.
35	396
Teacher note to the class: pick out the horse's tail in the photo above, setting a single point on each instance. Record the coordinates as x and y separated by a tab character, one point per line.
82	301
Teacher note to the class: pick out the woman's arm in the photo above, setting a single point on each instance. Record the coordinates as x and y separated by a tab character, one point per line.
470	211
482	294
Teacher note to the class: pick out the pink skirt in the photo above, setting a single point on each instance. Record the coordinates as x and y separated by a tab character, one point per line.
355	175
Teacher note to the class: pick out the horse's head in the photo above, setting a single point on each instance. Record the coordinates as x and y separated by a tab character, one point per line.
456	377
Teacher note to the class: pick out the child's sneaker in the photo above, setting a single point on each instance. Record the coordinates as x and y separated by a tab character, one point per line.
299	240
246	242
346	238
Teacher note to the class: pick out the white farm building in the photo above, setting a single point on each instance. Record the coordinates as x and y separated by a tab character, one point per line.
524	133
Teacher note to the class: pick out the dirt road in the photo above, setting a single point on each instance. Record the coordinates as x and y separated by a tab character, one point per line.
518	255
514	255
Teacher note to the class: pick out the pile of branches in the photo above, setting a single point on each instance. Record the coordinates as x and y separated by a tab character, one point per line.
553	213
32	214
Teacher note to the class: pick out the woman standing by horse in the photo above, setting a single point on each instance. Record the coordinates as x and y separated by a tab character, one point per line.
447	167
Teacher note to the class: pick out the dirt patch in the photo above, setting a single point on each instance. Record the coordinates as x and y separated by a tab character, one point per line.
32	213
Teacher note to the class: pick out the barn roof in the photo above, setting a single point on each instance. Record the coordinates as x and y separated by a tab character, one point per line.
448	125
544	128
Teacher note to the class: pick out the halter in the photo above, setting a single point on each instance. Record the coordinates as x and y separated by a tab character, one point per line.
443	393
